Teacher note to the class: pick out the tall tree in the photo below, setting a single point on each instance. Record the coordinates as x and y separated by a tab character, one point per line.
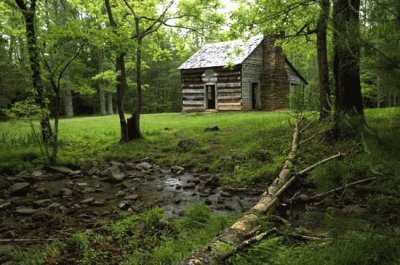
121	78
346	64
29	12
322	54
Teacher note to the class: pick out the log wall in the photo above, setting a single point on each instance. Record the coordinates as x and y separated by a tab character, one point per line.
251	70
227	83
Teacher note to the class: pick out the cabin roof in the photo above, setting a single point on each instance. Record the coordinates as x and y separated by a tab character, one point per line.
222	53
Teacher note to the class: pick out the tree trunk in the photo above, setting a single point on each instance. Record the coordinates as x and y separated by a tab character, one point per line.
323	71
68	102
102	99
110	110
121	81
102	96
346	68
134	121
33	51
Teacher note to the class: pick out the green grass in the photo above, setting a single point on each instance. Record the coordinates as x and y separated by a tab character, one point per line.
249	146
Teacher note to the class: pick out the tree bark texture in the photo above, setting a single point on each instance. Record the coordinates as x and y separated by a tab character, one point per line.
228	241
33	51
346	68
322	54
134	131
121	80
110	108
68	100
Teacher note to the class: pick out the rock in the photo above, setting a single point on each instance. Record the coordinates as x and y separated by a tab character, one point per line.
82	184
75	173
93	170
63	209
4	205
37	173
115	174
208	201
194	180
87	190
54	205
4	184
186	144
60	169
65	192
97	203
144	166
120	193
40	203
20	187
229	208
160	187
177	169
116	164
225	194
177	201
131	197
42	190
25	211
188	186
41	216
124	205
303	197
178	187
211	128
87	201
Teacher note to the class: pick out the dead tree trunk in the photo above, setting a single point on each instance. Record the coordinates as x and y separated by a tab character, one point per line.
231	238
322	54
346	67
33	51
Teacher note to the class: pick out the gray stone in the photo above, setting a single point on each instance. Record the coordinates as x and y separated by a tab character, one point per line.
211	128
37	173
160	187
63	209
25	211
115	174
87	190
54	205
41	202
87	201
4	205
144	166
20	187
188	186
124	205
120	193
131	197
97	203
225	194
177	169
82	184
66	192
60	169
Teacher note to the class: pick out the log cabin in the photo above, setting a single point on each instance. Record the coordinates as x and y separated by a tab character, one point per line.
238	75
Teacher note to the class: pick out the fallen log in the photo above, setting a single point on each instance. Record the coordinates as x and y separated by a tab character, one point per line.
227	242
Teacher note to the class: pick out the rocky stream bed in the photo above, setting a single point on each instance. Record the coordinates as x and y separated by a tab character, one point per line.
57	201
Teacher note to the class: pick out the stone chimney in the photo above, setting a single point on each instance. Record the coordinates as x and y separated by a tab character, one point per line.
274	79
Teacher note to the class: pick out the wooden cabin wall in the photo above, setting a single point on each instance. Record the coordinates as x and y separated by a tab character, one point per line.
192	90
293	76
229	90
251	70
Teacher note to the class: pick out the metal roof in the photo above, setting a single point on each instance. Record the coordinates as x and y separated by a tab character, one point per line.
222	53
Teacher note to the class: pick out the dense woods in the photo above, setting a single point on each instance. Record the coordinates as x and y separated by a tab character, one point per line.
97	142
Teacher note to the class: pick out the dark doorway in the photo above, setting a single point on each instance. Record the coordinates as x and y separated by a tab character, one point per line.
210	90
254	92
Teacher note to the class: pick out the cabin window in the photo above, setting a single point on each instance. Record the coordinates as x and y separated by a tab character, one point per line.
210	90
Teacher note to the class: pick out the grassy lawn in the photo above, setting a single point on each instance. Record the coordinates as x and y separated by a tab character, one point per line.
249	145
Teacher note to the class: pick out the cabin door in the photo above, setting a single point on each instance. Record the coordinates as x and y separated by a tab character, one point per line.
210	96
254	93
